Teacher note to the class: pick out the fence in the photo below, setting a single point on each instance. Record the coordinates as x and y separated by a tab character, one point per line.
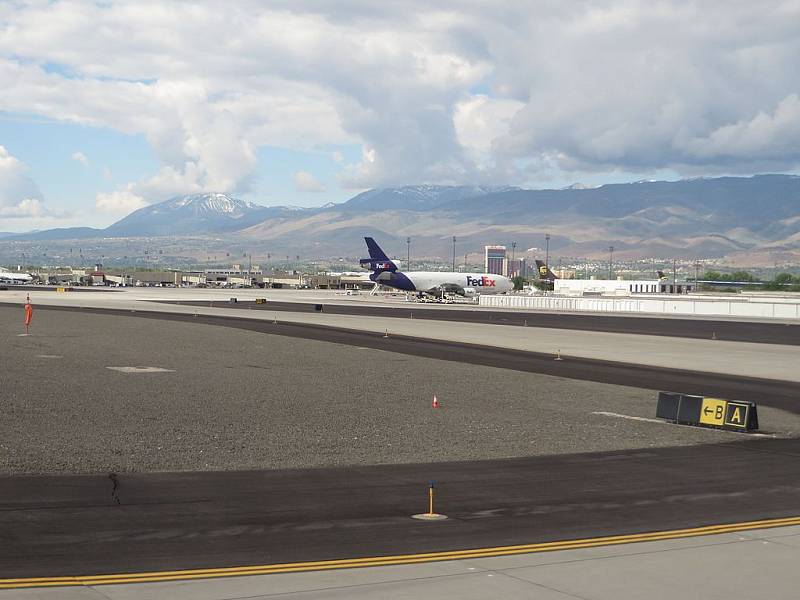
722	307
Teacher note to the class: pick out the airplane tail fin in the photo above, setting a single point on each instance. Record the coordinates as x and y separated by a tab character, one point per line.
377	261
544	271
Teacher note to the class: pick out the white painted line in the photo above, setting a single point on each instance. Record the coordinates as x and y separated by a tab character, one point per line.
659	421
141	369
50	356
630	417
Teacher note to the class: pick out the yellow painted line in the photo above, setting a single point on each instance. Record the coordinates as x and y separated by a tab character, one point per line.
402	559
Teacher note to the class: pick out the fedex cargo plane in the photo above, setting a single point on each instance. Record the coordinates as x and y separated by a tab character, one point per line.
385	272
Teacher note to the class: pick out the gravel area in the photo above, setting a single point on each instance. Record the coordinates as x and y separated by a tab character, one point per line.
233	399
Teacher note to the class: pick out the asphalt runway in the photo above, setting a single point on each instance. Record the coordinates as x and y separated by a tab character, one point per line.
72	525
643	477
735	331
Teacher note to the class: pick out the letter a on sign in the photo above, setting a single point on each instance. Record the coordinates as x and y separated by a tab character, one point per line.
736	414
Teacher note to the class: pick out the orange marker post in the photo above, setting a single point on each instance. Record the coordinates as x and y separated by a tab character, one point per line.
28	314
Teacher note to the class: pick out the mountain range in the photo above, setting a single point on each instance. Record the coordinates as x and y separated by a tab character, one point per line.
694	217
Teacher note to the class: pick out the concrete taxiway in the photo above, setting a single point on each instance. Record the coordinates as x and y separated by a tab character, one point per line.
695	328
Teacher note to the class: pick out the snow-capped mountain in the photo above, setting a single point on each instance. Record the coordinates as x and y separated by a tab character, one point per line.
205	204
192	214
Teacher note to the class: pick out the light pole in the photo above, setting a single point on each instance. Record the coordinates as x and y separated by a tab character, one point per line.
454	253
610	261
513	264
547	250
674	273
249	280
408	254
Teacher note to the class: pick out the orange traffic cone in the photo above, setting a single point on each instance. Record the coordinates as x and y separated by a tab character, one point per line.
435	403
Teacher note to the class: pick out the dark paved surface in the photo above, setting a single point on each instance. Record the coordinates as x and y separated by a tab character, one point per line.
69	525
767	392
72	524
240	399
735	331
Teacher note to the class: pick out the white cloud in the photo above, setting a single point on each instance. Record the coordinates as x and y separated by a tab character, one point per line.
306	182
81	158
26	208
766	135
20	197
119	202
480	122
445	93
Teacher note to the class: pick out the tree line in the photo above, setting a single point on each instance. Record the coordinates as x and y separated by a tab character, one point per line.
783	282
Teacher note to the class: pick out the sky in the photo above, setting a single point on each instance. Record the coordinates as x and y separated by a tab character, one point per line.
108	106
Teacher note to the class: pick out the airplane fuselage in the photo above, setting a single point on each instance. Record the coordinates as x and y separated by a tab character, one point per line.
9	277
425	281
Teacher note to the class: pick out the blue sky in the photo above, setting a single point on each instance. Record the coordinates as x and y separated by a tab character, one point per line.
112	159
109	106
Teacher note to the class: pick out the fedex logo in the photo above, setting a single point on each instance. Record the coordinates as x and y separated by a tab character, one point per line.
482	281
383	265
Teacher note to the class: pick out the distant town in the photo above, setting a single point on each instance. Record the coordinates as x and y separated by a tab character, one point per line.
154	268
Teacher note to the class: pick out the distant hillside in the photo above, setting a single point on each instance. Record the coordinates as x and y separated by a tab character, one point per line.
62	233
711	217
417	197
696	217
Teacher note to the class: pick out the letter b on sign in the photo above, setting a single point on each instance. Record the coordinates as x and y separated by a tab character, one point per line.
712	411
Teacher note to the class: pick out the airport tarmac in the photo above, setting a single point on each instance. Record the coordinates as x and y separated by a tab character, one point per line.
80	525
228	398
212	516
756	360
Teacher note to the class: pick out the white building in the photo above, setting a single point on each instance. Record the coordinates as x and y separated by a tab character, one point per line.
618	287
